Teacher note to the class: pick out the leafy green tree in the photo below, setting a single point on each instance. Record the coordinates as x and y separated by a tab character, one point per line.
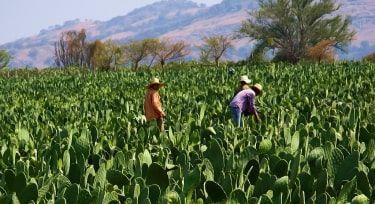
4	58
291	27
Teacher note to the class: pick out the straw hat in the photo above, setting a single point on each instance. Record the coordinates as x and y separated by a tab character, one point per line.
154	81
259	87
245	79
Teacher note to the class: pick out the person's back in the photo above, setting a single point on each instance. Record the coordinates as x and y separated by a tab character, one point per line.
244	100
152	105
240	88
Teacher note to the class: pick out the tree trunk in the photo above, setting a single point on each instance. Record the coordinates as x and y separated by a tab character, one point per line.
162	63
136	65
217	62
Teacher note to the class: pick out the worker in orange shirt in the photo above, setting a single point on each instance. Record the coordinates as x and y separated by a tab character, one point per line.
152	104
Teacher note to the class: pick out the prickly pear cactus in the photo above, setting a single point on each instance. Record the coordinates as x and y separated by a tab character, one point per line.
157	175
237	196
71	194
29	193
265	146
360	199
215	192
215	154
116	177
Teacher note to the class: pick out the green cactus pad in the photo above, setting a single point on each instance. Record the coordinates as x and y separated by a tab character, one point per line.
157	175
265	146
117	178
215	192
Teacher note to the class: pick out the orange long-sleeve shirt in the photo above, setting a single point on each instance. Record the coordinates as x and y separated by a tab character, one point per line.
152	105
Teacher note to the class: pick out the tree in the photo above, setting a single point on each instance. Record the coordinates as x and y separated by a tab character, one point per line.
94	51
115	53
370	58
259	52
4	58
137	51
291	27
214	48
103	56
70	49
167	51
322	51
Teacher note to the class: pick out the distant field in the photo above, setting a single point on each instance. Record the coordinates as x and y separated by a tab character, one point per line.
69	136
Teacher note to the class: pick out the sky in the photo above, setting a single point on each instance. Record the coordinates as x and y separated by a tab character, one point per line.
23	18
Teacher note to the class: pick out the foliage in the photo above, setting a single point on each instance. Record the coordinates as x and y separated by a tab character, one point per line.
295	26
104	56
370	58
137	51
214	48
259	52
4	58
68	136
322	51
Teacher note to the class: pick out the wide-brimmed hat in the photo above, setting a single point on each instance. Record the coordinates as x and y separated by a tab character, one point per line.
155	81
245	79
259	87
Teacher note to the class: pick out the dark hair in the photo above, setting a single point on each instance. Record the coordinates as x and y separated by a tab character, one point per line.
256	90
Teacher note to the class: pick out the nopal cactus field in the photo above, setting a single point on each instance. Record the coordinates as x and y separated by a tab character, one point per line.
69	136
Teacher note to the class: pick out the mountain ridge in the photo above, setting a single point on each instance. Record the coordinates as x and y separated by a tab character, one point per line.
180	20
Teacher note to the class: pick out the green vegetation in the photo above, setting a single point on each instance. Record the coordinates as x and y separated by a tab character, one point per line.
291	27
69	136
370	58
4	58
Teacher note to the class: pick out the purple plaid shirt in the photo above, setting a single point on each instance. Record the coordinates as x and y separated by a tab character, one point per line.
244	100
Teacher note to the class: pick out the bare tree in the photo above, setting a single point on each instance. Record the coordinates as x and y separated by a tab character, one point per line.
70	49
167	51
215	47
137	51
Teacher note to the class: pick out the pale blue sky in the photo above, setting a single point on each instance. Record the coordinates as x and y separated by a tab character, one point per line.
22	18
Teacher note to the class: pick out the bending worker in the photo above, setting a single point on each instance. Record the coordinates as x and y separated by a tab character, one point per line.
244	103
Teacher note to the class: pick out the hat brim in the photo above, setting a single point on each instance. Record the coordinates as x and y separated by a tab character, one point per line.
160	84
246	81
259	89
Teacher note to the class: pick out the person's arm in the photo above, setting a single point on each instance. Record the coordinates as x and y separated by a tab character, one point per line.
253	109
156	104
